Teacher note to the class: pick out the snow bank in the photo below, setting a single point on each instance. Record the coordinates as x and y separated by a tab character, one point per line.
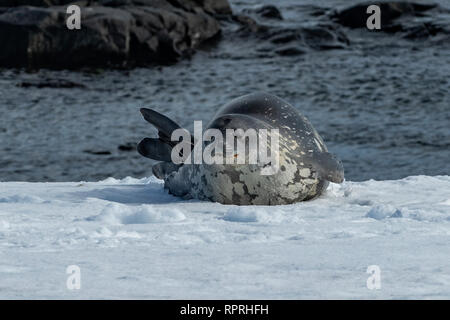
384	211
120	214
133	240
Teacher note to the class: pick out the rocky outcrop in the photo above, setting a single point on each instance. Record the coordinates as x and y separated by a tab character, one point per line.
113	32
356	16
267	11
127	33
35	3
414	20
286	41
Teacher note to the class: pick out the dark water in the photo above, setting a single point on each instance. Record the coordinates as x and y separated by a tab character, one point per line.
382	105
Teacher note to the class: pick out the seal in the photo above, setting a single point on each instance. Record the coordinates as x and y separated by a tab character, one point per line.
304	165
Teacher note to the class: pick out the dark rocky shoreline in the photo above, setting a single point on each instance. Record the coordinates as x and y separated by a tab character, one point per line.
115	33
132	33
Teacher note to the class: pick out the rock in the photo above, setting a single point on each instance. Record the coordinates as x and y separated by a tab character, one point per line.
98	153
284	36
290	51
424	30
36	3
323	37
288	41
129	146
114	33
38	37
356	16
316	11
414	20
208	6
249	24
164	36
318	37
267	11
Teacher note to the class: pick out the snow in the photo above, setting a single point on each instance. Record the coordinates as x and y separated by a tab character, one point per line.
384	211
131	239
116	214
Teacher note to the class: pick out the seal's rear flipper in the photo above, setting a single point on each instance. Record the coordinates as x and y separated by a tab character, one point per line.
329	166
155	149
164	125
162	169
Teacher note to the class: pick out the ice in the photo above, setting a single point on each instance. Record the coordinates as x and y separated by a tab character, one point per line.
131	239
380	212
121	214
20	198
254	214
4	225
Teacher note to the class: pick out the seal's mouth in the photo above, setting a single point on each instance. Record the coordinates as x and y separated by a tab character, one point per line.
335	173
336	178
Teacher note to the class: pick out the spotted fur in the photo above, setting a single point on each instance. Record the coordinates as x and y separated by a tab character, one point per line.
305	166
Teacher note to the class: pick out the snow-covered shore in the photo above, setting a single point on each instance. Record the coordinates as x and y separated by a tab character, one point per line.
133	240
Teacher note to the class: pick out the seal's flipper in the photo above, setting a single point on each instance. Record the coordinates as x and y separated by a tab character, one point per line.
329	166
161	122
162	169
155	149
164	125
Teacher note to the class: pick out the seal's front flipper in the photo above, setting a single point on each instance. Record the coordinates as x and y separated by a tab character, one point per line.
155	149
329	166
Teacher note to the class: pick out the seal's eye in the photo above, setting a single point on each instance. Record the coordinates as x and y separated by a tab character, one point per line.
226	121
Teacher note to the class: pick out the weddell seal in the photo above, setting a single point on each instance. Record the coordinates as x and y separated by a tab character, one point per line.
299	166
